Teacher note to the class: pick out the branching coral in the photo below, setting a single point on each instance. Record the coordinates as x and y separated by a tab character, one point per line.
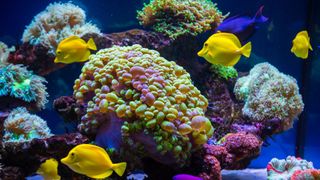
180	17
269	94
151	95
284	169
57	22
21	126
4	52
17	82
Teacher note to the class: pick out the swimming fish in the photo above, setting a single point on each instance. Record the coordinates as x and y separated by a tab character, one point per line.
224	48
186	177
92	161
74	49
49	170
301	45
242	26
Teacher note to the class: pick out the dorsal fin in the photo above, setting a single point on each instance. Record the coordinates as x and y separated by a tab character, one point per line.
70	38
229	36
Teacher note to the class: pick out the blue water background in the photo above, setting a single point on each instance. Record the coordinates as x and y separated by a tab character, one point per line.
271	43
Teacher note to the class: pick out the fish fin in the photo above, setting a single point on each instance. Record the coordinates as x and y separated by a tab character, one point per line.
310	47
103	175
119	168
304	34
70	38
259	18
85	57
91	44
246	50
230	36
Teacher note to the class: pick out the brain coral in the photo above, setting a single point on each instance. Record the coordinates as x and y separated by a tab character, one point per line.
269	94
150	95
17	82
57	22
21	126
180	17
283	169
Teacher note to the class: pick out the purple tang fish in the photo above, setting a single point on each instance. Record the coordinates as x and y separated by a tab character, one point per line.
185	177
242	26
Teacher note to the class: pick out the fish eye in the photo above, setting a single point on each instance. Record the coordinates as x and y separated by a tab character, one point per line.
206	44
58	52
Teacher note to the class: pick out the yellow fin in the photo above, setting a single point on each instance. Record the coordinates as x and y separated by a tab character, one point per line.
85	57
310	47
230	36
70	38
103	175
119	168
91	44
246	50
304	34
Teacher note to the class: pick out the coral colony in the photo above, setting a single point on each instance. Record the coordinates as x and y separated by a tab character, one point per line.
135	98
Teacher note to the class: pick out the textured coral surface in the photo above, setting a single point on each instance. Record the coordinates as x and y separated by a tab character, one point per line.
180	17
151	95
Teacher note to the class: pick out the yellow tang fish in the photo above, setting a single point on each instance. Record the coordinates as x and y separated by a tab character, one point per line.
301	45
49	170
224	49
74	49
92	161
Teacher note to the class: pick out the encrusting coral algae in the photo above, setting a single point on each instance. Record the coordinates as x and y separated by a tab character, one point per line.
151	96
20	126
180	17
57	22
16	82
269	94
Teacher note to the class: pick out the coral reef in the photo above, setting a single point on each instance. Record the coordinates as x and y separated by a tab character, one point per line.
20	87
285	168
57	22
65	106
4	52
175	18
20	126
235	152
269	94
151	95
23	159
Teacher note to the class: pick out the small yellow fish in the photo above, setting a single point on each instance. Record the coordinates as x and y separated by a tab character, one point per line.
74	49
301	45
92	161
224	49
49	170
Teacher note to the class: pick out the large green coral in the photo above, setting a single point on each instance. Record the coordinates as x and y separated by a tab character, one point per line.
20	126
269	94
150	94
180	17
17	82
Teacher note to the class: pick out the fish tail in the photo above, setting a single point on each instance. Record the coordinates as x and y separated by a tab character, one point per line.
91	44
246	50
259	18
119	168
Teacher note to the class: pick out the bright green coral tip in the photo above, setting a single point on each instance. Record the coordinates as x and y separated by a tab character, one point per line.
225	72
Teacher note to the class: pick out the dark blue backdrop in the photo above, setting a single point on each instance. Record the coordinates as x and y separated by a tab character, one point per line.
271	43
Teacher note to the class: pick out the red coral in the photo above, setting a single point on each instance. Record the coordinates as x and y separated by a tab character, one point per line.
306	174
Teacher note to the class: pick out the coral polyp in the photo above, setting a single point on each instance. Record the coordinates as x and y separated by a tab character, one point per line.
180	17
20	126
149	94
16	82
